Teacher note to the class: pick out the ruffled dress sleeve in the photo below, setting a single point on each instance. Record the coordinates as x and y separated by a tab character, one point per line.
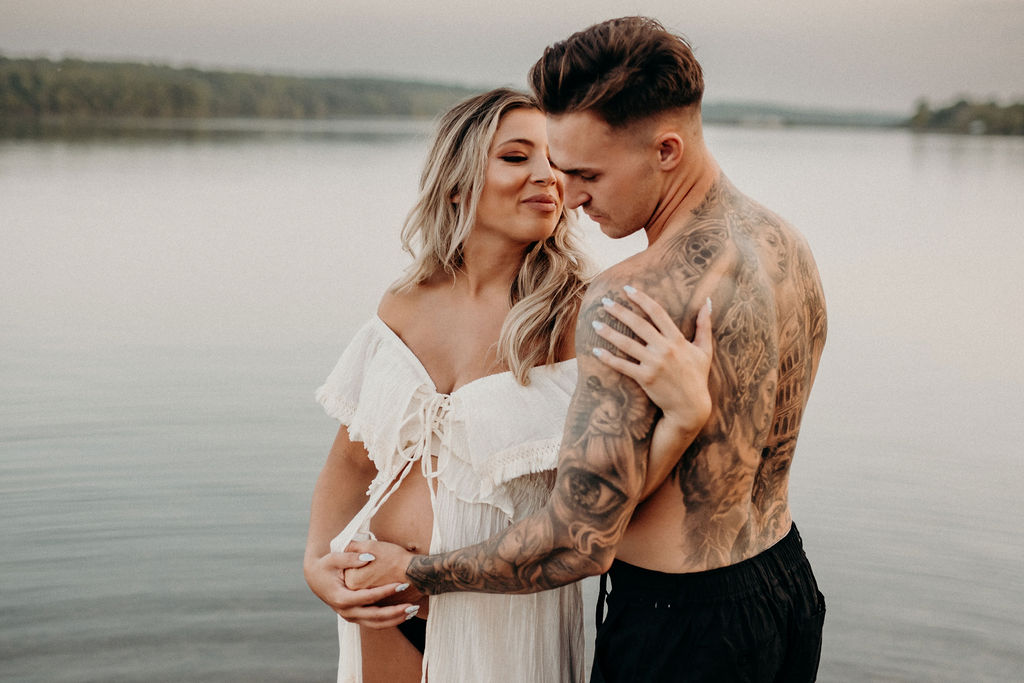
372	389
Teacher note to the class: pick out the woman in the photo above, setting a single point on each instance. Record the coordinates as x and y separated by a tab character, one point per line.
457	391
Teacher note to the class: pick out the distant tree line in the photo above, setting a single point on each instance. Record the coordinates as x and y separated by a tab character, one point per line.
989	118
35	89
38	88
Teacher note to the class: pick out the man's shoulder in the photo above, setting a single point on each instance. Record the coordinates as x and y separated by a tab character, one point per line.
752	214
649	272
640	270
621	273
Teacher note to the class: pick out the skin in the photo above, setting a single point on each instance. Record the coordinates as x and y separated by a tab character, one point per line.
521	202
726	500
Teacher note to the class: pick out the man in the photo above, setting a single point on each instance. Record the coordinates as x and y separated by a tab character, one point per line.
709	578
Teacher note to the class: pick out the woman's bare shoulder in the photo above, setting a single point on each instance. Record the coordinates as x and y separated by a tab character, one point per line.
394	307
399	308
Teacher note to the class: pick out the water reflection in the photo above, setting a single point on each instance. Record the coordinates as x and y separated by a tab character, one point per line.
378	130
169	309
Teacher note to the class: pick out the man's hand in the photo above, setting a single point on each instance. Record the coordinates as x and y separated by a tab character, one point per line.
326	578
388	566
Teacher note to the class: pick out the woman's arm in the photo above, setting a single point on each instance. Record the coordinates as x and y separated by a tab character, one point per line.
339	494
671	370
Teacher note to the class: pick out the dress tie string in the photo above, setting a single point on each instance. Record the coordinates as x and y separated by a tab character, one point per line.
431	419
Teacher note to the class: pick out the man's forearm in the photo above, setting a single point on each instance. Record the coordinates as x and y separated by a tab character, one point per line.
522	559
572	537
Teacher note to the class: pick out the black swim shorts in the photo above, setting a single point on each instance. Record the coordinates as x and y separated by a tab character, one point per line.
758	620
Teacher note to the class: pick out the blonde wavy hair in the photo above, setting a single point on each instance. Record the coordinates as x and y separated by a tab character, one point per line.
546	293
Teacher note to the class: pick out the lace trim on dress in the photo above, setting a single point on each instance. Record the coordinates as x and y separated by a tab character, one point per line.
528	458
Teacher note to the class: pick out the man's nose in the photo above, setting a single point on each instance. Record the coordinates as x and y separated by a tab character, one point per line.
575	197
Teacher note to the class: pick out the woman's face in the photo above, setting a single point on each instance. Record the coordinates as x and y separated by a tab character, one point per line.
523	195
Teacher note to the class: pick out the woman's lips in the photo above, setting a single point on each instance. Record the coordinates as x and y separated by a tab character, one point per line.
541	202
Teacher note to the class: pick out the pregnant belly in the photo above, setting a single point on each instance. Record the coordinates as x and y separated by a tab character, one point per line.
406	518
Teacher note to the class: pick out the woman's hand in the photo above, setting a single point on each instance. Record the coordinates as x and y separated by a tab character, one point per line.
326	578
671	370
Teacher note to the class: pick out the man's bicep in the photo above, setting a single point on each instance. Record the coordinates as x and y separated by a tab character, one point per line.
610	418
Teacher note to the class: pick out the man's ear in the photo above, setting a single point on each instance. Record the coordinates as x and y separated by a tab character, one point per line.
670	150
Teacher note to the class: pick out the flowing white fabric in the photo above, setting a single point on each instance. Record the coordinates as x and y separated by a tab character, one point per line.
496	446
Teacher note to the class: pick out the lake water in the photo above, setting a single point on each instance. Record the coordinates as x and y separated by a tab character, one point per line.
169	303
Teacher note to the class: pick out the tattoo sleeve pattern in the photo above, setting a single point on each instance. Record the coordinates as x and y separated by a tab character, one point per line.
769	327
602	465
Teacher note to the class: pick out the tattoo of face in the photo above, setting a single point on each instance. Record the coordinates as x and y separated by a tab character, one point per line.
591	495
601	470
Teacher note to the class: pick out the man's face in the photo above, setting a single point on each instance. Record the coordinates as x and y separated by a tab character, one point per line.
610	173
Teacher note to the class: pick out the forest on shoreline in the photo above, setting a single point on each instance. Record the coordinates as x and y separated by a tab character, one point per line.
976	118
74	90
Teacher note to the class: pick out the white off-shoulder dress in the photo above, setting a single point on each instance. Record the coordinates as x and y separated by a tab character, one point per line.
496	445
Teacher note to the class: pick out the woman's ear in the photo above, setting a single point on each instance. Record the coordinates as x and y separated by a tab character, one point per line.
456	197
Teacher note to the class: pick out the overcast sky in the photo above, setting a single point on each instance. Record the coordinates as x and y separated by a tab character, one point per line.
872	54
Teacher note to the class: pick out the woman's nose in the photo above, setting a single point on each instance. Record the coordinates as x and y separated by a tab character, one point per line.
542	172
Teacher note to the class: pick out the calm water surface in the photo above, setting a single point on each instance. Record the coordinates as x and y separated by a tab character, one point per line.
170	303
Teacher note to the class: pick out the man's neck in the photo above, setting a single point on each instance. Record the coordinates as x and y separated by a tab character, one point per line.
684	192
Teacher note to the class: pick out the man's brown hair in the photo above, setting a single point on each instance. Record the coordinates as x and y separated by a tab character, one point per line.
622	70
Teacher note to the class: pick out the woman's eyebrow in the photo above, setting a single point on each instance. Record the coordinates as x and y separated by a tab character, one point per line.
522	141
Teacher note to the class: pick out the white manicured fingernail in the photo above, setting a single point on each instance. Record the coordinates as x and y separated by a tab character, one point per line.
598	325
366	557
401	587
709	304
597	352
606	302
410	616
629	289
412	610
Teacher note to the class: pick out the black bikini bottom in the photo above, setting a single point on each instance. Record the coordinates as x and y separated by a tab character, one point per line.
415	631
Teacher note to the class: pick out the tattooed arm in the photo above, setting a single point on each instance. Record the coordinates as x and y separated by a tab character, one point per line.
671	370
601	471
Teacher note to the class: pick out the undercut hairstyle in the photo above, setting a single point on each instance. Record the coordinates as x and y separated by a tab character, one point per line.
547	291
623	70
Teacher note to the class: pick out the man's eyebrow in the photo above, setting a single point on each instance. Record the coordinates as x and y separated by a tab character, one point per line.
566	171
571	171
